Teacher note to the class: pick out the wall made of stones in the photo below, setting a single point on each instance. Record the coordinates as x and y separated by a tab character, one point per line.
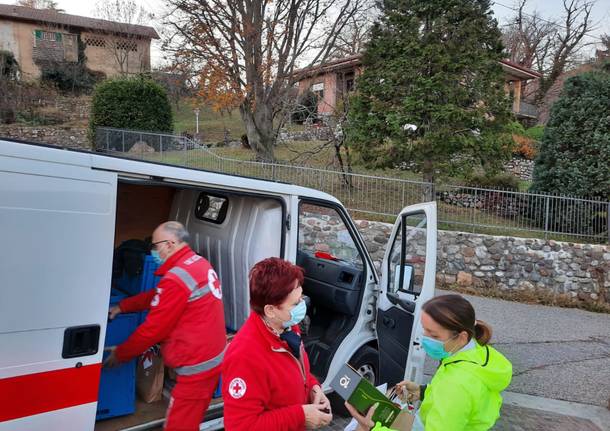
69	137
578	270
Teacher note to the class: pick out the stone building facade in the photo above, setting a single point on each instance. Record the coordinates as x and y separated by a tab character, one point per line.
35	36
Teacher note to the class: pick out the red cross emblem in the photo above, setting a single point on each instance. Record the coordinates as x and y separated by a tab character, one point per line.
237	388
214	284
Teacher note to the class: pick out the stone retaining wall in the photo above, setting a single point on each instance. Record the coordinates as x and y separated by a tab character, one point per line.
521	168
580	271
68	137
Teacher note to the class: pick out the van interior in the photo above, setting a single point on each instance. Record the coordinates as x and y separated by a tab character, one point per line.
234	231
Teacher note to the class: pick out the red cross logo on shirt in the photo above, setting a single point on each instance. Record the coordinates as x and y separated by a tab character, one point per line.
214	284
237	388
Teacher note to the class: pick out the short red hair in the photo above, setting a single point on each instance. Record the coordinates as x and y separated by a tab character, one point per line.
271	281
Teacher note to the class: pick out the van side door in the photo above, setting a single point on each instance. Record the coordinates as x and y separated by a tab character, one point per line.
57	219
407	281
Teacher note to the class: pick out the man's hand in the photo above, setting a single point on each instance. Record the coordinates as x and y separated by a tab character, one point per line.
365	423
111	361
408	391
319	398
113	312
315	417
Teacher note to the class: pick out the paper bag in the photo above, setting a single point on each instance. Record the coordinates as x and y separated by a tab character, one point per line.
404	421
149	375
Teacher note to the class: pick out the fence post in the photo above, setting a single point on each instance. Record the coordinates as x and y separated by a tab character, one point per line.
474	211
123	139
546	217
161	146
608	217
184	146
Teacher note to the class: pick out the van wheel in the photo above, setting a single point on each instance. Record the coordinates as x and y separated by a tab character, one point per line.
366	362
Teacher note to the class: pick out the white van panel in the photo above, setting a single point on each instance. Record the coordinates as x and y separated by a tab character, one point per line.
79	418
251	232
60	231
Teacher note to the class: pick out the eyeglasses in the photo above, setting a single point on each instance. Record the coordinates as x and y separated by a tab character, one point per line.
153	246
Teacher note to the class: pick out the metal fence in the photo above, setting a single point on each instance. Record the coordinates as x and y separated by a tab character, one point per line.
472	209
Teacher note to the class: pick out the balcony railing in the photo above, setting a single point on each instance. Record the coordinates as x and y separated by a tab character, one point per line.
527	110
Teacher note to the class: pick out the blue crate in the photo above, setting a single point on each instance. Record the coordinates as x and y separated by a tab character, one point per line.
117	392
218	391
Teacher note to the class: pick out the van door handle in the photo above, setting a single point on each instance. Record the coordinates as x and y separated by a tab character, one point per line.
81	341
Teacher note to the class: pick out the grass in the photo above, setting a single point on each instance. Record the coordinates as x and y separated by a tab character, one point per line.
211	124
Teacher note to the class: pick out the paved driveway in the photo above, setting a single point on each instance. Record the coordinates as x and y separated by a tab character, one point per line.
557	353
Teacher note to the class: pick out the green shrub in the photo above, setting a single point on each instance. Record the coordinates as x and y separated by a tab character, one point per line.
500	181
574	154
9	68
535	132
130	103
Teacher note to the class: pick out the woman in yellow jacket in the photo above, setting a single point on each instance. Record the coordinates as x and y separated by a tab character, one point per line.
464	393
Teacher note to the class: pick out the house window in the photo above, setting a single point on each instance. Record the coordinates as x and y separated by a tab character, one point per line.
48	35
318	90
95	41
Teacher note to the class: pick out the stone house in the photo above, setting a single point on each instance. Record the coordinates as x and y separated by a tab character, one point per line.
332	80
39	36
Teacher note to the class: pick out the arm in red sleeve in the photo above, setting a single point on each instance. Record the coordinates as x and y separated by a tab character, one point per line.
312	381
165	310
249	412
139	302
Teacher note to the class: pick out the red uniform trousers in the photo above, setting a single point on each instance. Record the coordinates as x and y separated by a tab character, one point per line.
190	400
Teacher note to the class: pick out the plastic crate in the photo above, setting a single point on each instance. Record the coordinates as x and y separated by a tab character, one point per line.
218	391
117	392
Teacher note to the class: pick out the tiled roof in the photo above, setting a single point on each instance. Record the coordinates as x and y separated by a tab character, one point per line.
21	13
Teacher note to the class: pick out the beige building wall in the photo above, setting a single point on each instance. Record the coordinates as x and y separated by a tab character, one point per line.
103	58
20	39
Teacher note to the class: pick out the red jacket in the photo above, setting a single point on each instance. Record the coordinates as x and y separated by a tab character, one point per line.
263	385
190	328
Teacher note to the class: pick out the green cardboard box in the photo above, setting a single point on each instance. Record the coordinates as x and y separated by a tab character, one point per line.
361	394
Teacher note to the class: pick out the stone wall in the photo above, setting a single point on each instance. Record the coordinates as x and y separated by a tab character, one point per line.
580	271
69	137
521	168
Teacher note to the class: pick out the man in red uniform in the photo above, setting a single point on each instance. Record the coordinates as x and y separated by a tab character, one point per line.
187	317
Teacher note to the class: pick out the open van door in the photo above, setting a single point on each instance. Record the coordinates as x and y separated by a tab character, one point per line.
407	281
57	217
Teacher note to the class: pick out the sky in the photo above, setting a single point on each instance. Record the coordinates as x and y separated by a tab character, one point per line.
502	9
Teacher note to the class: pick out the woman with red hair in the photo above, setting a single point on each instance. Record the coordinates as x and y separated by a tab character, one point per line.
267	384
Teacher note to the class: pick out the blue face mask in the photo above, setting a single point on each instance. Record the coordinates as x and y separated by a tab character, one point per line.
435	348
157	257
296	314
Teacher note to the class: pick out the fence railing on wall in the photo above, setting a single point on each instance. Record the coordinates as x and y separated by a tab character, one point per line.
473	209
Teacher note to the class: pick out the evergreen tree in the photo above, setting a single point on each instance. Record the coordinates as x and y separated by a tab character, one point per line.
431	92
574	153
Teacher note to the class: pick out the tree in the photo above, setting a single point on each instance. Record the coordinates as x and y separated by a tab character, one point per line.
130	103
121	43
549	46
574	153
40	4
354	37
431	92
247	51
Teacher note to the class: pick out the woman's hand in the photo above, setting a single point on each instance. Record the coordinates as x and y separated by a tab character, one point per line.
315	416
365	423
318	398
408	391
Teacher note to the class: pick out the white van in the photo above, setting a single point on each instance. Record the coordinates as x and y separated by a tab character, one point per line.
62	213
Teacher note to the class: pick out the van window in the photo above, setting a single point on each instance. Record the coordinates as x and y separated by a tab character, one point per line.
322	231
413	227
212	208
